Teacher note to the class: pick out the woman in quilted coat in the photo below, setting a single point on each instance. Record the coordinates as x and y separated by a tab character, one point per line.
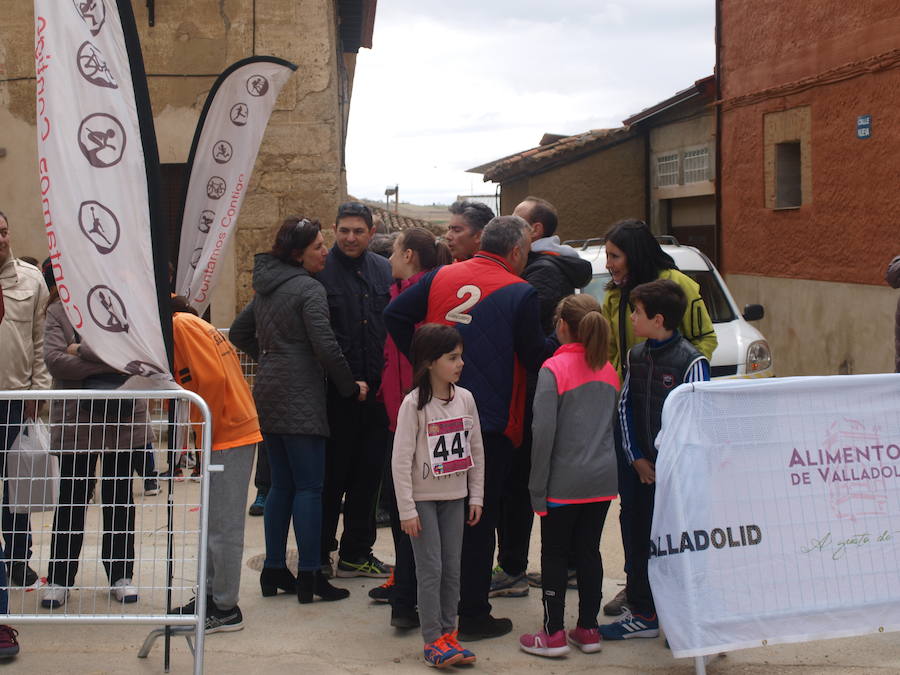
286	328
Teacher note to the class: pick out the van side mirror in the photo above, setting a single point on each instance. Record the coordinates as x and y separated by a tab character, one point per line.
754	312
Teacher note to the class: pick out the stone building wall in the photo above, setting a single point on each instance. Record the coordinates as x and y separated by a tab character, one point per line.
299	169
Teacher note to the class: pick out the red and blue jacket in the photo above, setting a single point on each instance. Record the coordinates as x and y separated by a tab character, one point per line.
498	316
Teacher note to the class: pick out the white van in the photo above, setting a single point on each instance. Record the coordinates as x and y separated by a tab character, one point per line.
742	351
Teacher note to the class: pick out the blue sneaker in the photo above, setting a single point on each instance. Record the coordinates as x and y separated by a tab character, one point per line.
468	656
631	626
440	654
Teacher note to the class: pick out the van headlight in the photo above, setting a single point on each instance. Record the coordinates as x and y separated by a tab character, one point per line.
759	357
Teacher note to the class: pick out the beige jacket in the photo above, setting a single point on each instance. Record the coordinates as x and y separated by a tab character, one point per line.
414	477
22	328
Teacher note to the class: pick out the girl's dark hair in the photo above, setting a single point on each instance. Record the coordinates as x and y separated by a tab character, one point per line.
643	254
587	326
431	251
51	298
430	342
294	235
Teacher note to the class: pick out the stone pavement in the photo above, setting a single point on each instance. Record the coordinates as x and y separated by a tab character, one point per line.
353	637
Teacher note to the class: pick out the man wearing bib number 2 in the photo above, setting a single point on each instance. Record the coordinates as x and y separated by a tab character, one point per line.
498	316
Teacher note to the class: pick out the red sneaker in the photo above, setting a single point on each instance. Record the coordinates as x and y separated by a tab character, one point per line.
586	639
542	644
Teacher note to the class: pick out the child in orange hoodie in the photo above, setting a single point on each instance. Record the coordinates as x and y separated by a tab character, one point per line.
207	364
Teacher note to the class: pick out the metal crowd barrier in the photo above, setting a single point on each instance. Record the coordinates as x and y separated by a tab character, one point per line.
100	522
248	365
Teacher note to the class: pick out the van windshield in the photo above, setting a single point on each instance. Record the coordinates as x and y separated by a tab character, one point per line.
713	297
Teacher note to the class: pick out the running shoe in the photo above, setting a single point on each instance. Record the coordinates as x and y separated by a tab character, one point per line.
541	644
383	593
223	620
53	596
586	639
439	654
631	626
195	474
369	567
151	487
507	585
468	655
617	605
191	607
124	591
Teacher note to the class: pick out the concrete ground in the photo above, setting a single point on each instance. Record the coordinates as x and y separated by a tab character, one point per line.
353	636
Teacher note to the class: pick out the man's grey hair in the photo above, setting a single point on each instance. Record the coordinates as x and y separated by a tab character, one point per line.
503	234
476	214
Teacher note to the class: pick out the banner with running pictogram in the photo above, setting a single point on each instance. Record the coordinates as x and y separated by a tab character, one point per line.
777	512
223	153
94	179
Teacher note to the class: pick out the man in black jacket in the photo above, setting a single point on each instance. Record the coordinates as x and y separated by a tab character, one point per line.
555	271
358	284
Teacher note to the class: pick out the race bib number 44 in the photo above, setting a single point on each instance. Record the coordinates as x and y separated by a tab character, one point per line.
448	445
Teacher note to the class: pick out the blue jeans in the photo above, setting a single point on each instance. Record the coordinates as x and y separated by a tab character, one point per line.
16	526
298	469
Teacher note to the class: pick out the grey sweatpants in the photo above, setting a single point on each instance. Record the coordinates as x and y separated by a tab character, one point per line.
437	551
227	502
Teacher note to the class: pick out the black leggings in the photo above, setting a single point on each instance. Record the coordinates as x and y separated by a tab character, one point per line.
76	486
574	527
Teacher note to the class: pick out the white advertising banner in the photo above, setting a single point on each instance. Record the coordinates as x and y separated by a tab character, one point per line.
227	141
777	513
93	183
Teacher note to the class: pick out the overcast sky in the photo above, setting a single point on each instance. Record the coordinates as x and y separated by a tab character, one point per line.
450	85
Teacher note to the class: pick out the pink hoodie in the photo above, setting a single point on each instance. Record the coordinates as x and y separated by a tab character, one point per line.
396	378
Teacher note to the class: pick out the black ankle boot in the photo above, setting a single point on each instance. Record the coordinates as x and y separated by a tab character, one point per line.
274	579
313	583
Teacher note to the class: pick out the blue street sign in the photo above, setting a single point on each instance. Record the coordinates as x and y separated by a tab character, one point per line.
863	126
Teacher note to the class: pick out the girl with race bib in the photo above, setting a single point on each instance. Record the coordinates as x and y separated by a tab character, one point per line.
573	471
438	460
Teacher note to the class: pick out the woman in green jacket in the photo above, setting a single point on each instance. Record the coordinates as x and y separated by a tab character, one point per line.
633	257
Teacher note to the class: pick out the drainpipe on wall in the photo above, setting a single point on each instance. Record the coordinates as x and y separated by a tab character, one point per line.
648	214
718	157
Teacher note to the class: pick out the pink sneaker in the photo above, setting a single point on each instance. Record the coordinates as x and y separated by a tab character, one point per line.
586	639
542	644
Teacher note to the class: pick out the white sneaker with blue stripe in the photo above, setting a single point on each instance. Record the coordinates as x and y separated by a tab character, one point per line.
631	626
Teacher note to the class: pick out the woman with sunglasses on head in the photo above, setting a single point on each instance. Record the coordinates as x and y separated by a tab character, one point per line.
634	257
286	328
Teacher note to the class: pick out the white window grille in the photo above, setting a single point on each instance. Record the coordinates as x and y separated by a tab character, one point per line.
696	165
667	170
